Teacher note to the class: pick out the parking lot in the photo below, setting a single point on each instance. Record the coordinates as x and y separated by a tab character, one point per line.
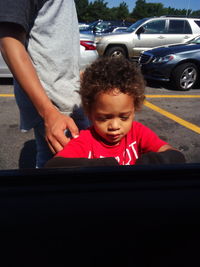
172	114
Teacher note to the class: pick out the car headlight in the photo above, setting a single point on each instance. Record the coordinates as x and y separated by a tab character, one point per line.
163	59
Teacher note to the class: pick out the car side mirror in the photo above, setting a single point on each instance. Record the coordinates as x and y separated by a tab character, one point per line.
140	30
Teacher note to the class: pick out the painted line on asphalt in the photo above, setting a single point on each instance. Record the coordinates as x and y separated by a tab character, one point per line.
6	95
173	96
167	114
173	117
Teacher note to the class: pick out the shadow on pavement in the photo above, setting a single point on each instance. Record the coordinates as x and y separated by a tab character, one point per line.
166	85
158	84
28	155
6	81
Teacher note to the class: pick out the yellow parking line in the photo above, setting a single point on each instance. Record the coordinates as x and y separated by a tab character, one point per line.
6	95
167	114
177	119
173	96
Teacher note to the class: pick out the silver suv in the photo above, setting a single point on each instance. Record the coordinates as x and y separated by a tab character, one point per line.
148	33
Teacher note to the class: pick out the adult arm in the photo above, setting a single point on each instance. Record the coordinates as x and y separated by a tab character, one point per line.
12	40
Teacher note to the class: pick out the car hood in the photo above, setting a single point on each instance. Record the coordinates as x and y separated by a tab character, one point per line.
174	49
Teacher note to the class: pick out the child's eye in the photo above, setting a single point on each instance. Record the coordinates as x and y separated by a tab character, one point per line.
124	118
101	119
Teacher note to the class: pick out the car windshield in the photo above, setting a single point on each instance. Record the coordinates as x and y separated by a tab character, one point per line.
195	40
136	25
93	24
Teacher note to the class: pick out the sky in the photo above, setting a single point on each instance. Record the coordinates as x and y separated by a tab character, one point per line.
179	4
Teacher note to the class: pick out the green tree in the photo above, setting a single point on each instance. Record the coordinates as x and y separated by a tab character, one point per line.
154	9
175	12
195	13
143	9
140	10
98	10
119	13
81	7
90	11
122	11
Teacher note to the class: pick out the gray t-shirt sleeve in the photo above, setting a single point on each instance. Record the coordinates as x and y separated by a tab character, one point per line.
53	45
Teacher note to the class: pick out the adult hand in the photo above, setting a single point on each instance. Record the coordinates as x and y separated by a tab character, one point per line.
55	125
12	40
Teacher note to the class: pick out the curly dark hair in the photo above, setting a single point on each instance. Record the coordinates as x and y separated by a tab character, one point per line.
106	74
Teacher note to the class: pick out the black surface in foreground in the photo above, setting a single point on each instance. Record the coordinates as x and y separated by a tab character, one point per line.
101	216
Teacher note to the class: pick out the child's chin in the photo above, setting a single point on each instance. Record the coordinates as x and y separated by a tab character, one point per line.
111	142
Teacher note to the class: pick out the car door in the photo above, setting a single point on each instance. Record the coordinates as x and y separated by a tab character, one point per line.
153	35
178	31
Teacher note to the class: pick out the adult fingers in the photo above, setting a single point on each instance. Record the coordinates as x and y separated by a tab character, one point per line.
57	142
73	128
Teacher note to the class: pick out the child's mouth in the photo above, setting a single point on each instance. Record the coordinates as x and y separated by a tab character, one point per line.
114	136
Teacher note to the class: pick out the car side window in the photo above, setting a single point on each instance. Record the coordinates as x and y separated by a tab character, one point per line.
197	22
179	27
155	27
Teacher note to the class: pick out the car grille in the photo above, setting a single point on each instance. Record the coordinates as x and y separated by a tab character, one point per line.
145	58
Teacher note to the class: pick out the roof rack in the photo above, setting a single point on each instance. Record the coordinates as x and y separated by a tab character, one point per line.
181	16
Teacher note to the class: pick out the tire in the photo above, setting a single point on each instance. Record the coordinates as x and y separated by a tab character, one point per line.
185	76
116	51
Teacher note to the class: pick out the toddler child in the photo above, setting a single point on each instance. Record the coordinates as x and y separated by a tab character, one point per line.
112	91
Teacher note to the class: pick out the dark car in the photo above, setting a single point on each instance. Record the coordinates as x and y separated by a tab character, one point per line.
177	64
103	26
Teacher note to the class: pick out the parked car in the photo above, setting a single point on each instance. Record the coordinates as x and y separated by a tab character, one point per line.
82	25
88	50
100	27
88	54
178	64
147	33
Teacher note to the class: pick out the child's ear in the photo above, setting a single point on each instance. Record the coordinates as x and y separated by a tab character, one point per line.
81	74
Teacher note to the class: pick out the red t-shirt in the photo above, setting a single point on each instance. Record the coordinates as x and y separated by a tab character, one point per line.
138	141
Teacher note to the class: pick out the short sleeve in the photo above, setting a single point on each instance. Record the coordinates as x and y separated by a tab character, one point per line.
20	12
148	140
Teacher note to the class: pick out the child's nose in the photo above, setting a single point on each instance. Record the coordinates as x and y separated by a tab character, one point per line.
114	125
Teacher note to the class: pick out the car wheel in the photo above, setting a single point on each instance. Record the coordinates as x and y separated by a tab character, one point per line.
116	51
185	76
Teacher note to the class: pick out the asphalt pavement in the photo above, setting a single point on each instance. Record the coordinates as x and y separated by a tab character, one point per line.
172	114
17	149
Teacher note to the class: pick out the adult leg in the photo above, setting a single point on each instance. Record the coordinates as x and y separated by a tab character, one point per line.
43	151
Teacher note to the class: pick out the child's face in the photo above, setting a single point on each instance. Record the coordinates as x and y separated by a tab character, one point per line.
112	115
